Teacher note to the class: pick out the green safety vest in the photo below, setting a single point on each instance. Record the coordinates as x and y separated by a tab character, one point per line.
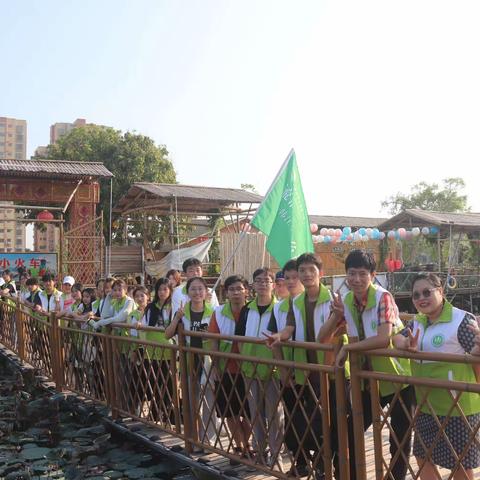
320	315
441	336
187	319
226	326
367	323
117	305
257	324
280	310
156	353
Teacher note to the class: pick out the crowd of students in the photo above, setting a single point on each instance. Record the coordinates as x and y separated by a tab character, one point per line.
266	410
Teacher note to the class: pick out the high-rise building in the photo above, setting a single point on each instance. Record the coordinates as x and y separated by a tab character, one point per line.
12	233
13	138
57	130
46	239
13	145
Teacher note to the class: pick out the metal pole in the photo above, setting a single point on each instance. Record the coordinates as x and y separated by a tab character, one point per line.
110	230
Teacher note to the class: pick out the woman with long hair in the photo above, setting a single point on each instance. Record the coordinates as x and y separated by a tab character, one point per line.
158	383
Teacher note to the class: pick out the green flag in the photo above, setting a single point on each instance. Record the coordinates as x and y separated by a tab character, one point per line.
283	217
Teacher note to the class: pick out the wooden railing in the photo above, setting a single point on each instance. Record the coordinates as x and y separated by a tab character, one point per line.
274	415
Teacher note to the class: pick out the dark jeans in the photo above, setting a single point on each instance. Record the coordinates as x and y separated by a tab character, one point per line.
400	423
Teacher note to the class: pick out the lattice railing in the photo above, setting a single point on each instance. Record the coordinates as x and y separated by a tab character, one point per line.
280	417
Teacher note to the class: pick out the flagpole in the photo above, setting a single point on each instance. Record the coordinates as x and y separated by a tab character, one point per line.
244	233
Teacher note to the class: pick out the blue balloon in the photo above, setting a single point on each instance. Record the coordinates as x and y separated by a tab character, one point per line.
397	235
347	230
433	230
327	239
343	237
362	231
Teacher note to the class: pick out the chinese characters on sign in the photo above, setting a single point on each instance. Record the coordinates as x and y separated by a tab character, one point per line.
37	264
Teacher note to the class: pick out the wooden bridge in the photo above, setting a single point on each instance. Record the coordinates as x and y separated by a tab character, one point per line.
179	399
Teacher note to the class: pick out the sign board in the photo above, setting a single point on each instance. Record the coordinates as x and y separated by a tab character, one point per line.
36	263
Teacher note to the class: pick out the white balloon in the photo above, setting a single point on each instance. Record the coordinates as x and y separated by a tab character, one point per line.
415	231
425	230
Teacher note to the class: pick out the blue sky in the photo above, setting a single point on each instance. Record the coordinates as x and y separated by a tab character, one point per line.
374	96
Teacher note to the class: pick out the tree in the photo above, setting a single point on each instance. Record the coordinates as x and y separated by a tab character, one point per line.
130	157
430	197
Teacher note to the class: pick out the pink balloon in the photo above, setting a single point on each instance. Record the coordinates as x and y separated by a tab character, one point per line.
324	231
313	228
402	232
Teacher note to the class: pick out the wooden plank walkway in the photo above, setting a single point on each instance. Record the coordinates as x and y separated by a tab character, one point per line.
222	465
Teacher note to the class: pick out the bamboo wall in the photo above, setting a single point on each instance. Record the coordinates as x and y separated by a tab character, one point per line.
252	254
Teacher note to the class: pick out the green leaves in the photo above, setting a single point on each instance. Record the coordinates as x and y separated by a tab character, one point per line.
432	197
131	157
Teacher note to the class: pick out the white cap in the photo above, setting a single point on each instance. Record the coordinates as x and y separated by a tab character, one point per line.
68	279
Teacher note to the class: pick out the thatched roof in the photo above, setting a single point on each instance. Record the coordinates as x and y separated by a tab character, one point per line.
53	169
459	222
166	198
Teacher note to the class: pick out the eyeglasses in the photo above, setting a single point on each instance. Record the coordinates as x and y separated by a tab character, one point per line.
424	293
263	282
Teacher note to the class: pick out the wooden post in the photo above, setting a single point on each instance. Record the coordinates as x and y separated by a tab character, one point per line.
56	352
19	326
357	414
110	372
342	426
326	423
377	429
175	399
187	420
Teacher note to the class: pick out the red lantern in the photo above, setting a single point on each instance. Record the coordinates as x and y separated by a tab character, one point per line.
390	264
398	264
45	215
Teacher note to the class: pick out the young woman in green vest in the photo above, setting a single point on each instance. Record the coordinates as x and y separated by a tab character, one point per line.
441	327
371	317
136	388
121	308
23	291
195	316
260	382
229	385
83	344
159	385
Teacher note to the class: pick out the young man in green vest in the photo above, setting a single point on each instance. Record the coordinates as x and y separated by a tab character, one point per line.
310	310
260	382
229	386
291	390
371	316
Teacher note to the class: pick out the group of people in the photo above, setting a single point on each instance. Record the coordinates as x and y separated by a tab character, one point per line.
267	410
